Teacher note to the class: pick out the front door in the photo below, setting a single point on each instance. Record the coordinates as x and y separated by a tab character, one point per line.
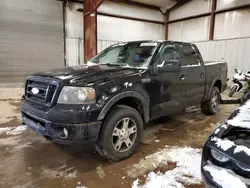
168	88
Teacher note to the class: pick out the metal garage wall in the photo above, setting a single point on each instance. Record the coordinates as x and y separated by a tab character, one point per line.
31	37
233	51
111	30
74	35
190	30
232	34
223	4
232	24
194	29
130	10
193	8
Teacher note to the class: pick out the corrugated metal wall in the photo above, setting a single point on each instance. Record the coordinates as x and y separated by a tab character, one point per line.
102	44
31	35
232	31
74	35
233	51
111	30
190	30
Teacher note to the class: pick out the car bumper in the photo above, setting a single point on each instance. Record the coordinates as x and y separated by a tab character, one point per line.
65	132
206	177
207	161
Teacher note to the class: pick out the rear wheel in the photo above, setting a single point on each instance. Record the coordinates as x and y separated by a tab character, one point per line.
210	107
232	91
121	134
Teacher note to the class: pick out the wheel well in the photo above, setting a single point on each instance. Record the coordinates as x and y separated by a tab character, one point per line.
133	103
218	84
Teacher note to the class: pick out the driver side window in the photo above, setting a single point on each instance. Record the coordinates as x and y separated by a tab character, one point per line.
169	55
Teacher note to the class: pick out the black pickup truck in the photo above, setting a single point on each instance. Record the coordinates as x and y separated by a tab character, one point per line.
128	84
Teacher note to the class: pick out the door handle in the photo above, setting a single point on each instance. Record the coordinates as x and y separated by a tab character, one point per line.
183	77
202	75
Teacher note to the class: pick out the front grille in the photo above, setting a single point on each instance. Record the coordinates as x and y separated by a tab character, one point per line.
39	91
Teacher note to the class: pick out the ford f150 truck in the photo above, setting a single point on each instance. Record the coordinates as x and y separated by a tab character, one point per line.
128	84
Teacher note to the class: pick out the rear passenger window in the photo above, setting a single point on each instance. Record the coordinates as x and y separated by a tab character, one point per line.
190	55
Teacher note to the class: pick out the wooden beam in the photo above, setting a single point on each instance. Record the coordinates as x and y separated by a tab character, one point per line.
90	28
128	2
131	18
126	17
190	17
212	20
166	25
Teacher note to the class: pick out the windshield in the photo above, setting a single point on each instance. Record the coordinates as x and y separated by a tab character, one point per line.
135	54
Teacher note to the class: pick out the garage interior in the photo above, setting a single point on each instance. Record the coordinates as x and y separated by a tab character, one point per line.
40	35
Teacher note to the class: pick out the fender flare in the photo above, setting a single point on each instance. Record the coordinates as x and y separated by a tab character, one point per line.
210	89
122	95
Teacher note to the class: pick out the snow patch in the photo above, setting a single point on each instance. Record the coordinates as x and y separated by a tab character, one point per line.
4	129
60	172
227	144
89	63
224	177
223	144
17	130
100	172
225	126
239	149
126	84
64	77
187	170
217	131
242	119
81	186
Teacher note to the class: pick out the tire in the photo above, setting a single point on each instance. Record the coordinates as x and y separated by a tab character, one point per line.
107	143
232	90
210	107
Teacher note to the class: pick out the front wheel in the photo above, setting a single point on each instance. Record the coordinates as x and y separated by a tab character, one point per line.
210	107
121	134
232	91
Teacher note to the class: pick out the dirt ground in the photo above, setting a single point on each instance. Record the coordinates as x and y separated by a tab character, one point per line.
27	160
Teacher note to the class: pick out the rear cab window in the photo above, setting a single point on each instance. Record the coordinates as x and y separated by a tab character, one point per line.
191	56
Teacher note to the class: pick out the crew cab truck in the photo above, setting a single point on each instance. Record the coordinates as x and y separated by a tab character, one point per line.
109	100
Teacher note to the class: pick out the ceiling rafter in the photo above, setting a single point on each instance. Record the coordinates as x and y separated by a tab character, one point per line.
128	2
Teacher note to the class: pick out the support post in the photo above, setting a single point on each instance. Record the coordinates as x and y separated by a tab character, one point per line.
90	27
166	25
212	20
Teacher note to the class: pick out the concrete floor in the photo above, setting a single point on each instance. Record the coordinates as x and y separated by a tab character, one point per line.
28	160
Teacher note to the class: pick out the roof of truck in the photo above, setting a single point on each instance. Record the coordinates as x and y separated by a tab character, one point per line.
158	41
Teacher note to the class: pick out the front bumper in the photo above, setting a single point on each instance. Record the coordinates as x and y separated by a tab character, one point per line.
76	132
207	160
206	176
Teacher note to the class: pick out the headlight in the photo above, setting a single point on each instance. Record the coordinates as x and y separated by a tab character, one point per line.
77	95
218	156
243	167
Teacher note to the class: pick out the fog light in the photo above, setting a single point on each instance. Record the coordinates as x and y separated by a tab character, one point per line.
65	133
218	156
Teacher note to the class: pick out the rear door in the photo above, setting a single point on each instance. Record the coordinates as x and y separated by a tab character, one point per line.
194	75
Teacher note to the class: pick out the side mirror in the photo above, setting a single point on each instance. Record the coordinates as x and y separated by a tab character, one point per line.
169	66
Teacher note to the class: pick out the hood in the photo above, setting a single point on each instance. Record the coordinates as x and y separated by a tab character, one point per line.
88	74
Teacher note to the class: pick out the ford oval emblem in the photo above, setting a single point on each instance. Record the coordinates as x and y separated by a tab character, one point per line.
35	91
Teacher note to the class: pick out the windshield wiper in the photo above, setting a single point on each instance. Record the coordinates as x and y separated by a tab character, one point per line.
110	64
